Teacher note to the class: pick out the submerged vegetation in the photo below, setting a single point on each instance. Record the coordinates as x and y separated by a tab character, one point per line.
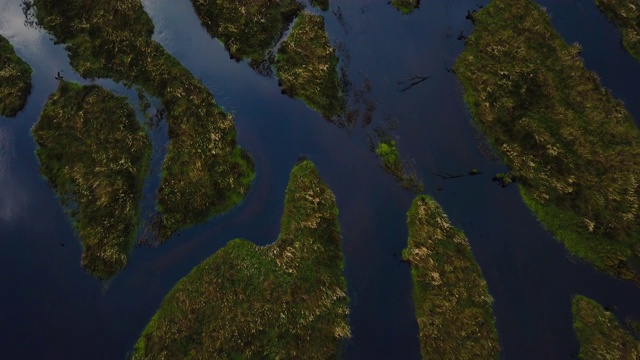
248	29
204	172
15	80
574	148
283	301
406	6
95	155
307	66
600	334
626	15
452	302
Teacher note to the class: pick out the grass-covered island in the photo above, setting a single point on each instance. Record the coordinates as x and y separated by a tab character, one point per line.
392	164
453	305
15	80
248	29
283	301
307	66
204	172
626	15
406	6
95	155
575	148
600	334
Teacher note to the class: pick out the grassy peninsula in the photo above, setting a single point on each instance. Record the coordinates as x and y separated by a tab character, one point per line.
600	334
626	15
406	6
248	29
307	66
453	305
15	80
204	172
95	155
574	147
283	301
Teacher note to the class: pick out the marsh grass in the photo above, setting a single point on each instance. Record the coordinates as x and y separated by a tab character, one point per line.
283	301
452	301
600	334
204	172
402	170
95	155
15	80
626	15
406	6
575	148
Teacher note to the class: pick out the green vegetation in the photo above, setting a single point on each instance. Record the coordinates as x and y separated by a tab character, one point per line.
95	155
452	302
308	66
406	6
321	4
391	162
574	148
626	15
600	334
15	80
248	29
204	172
283	301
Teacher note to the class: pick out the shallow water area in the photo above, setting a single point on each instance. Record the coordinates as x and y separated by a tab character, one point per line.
51	309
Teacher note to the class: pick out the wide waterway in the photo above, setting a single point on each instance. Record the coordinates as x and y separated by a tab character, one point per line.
50	308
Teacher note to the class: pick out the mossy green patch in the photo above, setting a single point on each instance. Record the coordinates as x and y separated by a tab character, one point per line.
15	80
392	164
626	15
406	6
307	66
204	172
321	4
575	149
452	302
95	155
283	301
600	334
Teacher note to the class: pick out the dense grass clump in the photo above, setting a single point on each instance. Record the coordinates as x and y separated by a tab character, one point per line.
574	147
204	172
307	66
15	80
95	155
406	6
453	305
321	4
600	334
401	170
626	15
248	29
283	301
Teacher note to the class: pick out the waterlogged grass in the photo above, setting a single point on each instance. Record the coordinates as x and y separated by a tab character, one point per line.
307	66
453	305
600	334
626	15
283	301
406	6
95	155
204	172
15	80
574	147
321	4
248	29
392	164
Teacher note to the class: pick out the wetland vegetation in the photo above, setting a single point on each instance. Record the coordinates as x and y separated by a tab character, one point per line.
600	334
204	172
626	15
452	301
283	301
402	170
15	80
406	6
95	155
574	148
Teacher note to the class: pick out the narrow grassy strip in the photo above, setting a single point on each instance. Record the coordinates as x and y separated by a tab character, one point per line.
248	29
283	301
575	148
600	334
392	164
95	155
204	172
15	80
453	305
307	66
406	6
626	15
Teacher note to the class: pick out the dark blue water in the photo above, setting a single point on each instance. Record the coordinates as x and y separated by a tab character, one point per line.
49	308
